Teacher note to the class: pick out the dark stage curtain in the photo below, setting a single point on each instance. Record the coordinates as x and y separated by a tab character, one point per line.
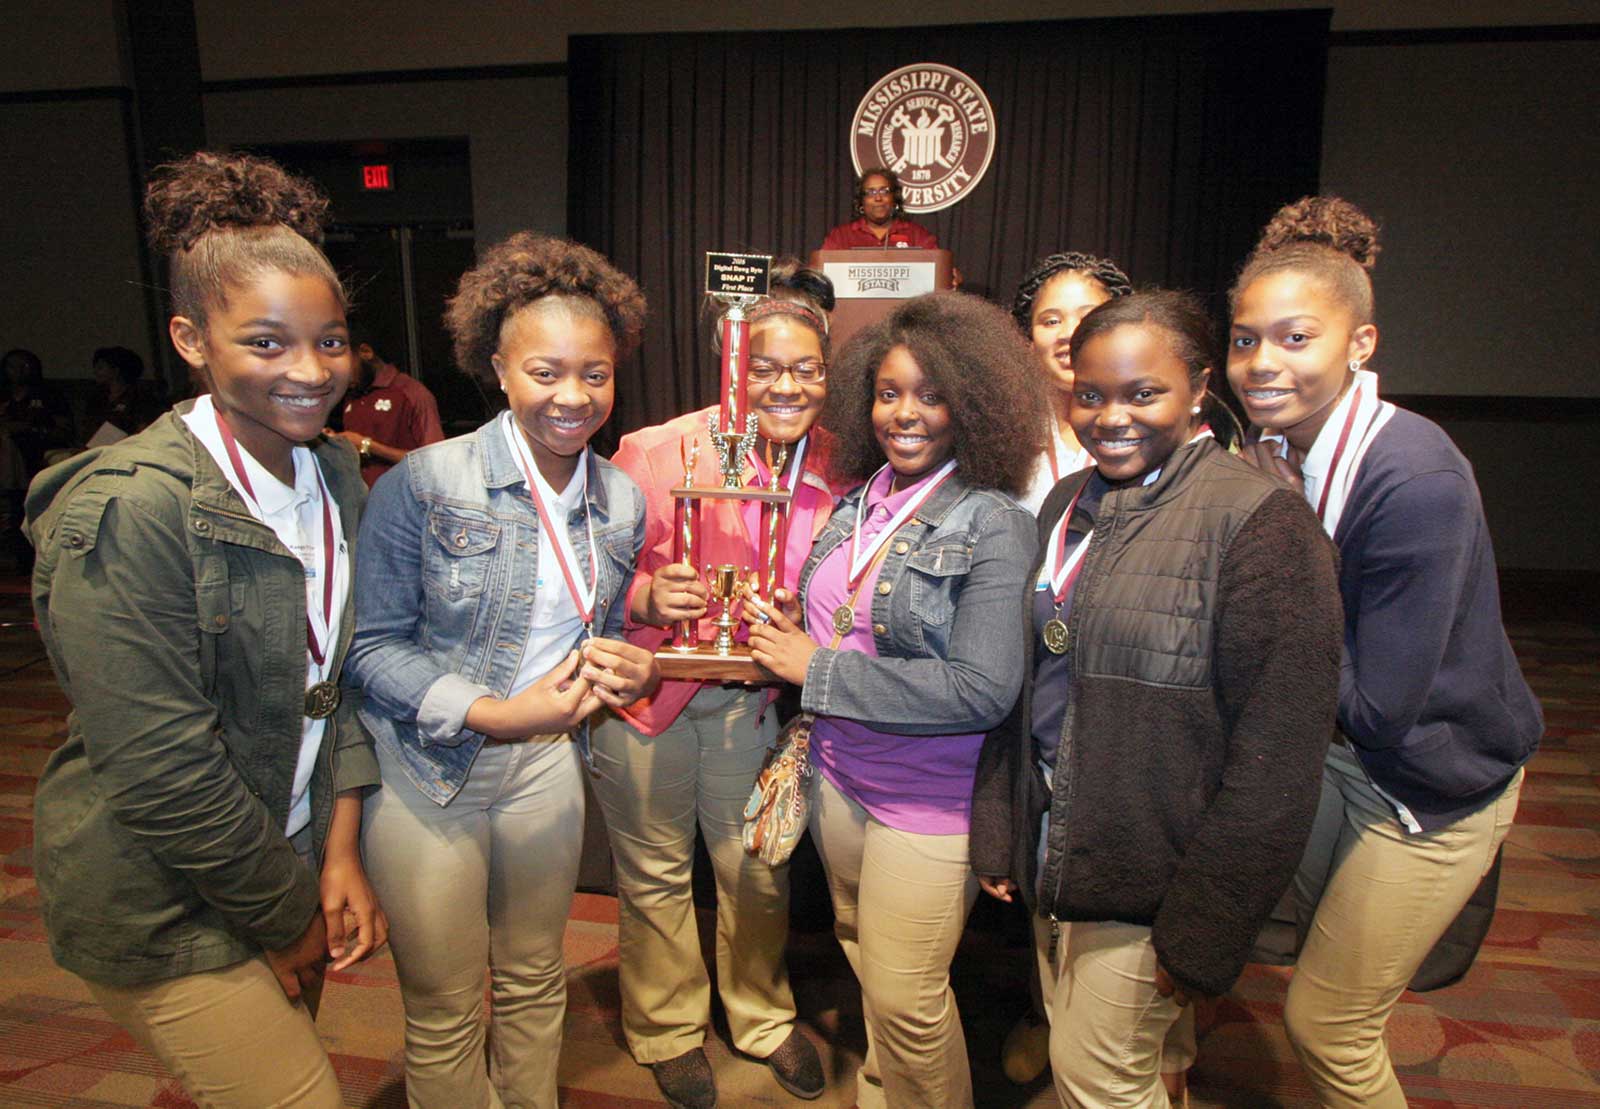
1163	143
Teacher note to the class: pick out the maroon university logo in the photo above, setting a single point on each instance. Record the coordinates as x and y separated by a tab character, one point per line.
933	126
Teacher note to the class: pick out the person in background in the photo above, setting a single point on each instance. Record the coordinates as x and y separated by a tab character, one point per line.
118	399
33	413
1051	300
196	835
1151	791
911	598
1435	720
489	595
687	756
879	221
386	414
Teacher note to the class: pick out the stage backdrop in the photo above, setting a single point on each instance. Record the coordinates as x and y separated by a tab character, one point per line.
1163	143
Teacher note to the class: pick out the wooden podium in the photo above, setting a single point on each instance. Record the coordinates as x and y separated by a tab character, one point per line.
870	281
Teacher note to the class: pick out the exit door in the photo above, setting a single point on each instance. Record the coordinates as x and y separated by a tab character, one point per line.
398	279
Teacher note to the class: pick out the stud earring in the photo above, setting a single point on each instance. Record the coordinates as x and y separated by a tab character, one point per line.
1195	411
1355	364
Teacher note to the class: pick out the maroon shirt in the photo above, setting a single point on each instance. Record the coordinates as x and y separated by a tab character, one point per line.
397	411
901	232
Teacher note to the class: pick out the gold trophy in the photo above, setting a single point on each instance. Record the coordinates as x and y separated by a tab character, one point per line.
727	587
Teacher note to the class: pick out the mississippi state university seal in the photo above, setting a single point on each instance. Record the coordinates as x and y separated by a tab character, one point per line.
933	126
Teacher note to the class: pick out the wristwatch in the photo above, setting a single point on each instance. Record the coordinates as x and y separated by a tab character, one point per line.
365	449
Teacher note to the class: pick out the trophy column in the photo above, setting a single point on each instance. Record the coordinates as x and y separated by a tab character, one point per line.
738	281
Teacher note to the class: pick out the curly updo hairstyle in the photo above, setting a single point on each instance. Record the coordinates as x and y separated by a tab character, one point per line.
222	220
1326	237
971	353
529	267
1190	337
1103	271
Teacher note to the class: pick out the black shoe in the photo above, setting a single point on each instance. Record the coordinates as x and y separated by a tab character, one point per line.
686	1080
796	1067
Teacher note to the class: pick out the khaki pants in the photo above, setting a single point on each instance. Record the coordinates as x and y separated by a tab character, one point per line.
1371	902
900	902
483	882
1111	1033
231	1036
1178	1050
654	791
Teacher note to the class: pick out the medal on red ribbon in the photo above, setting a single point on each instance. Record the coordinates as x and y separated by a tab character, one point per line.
1061	570
322	698
861	560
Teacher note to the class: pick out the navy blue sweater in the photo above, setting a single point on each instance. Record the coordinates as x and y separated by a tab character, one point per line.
1430	694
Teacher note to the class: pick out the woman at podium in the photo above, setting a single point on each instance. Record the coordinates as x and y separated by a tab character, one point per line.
878	222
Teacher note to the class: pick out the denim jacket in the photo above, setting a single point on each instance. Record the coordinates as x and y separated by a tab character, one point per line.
450	543
944	618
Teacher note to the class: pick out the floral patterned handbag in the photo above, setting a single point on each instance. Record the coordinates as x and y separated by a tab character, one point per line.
780	804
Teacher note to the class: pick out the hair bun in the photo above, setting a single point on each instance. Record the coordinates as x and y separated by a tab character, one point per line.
788	273
206	192
1330	221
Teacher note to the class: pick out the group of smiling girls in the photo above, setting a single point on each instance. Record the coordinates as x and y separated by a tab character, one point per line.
1202	672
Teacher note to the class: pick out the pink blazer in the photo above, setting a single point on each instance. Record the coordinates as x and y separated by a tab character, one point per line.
652	456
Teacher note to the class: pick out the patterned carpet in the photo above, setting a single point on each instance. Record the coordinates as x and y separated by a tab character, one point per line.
1522	1030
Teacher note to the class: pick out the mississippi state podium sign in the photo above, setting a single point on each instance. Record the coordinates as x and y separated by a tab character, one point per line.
933	126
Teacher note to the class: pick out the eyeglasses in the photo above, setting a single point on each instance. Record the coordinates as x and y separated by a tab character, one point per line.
881	190
807	371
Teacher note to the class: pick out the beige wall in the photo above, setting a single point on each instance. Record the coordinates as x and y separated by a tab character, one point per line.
69	269
58	44
419	35
516	130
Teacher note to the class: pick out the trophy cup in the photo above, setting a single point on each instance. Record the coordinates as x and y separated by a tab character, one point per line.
738	281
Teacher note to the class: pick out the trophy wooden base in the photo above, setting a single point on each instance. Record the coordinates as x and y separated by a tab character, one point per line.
704	664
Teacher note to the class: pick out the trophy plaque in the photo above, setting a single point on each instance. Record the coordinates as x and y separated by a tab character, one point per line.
737	592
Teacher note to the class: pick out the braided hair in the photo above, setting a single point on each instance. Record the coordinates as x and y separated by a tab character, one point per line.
1102	270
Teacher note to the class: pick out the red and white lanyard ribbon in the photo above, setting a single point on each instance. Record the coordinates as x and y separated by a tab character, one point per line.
1062	568
582	593
318	648
1363	416
861	558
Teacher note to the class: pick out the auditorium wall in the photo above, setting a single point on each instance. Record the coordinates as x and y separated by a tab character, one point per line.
69	270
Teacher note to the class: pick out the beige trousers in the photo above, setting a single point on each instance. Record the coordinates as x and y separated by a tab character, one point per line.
483	882
900	902
1372	901
1110	1031
1178	1051
231	1036
654	791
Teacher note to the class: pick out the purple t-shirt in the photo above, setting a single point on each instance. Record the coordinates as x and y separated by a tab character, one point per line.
920	784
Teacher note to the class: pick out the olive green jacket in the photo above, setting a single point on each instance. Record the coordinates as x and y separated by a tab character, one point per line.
175	622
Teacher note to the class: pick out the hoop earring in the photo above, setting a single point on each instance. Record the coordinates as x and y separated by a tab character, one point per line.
1355	365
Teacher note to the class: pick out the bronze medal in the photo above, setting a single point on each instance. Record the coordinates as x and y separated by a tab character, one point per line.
321	700
844	618
1055	636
